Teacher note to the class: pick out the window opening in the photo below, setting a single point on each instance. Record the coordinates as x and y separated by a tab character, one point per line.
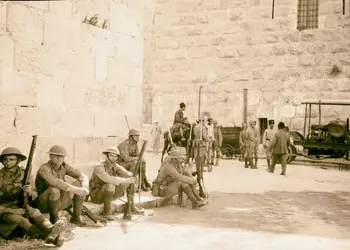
307	14
263	126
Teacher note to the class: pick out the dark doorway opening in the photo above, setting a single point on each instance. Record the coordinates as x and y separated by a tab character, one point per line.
263	126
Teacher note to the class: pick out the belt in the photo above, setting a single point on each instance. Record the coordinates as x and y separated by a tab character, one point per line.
268	140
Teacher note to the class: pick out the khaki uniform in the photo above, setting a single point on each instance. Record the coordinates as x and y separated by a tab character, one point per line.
203	144
249	142
129	151
170	177
257	140
10	196
218	141
242	142
107	173
279	148
267	138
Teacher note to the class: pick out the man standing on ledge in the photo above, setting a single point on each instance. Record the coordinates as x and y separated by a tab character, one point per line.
55	193
129	154
180	120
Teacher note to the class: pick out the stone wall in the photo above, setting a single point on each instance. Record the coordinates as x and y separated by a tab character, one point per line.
229	45
69	82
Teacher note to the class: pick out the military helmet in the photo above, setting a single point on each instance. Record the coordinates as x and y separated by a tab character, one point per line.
178	152
134	131
271	122
57	150
12	151
112	150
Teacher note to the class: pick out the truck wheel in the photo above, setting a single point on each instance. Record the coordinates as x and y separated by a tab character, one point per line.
292	154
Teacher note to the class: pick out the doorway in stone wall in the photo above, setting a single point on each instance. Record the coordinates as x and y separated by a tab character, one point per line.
263	126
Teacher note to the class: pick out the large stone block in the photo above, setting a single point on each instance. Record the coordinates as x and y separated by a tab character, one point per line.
33	57
6	51
87	149
129	50
287	111
125	20
3	11
108	123
17	88
8	121
100	69
342	85
25	23
50	93
56	36
27	121
62	8
40	5
102	41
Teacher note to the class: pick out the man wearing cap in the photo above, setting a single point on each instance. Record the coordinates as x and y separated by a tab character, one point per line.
201	140
217	142
279	148
242	143
180	120
11	215
109	181
172	175
55	193
129	153
250	145
156	132
267	138
210	130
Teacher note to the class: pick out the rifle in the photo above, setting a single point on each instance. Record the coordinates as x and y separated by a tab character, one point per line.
27	174
127	211
188	149
85	211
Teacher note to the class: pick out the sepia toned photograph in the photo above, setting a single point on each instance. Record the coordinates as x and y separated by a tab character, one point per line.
175	124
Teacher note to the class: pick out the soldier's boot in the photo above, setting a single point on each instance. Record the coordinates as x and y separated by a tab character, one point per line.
52	232
256	163
251	162
217	162
135	209
54	208
146	187
246	163
268	164
212	160
107	206
77	219
182	134
195	203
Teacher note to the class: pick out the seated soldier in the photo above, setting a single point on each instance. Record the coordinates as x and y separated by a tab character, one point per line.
180	120
173	175
55	193
129	154
109	181
11	215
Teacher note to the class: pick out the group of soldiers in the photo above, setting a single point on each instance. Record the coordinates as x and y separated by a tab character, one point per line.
51	193
276	144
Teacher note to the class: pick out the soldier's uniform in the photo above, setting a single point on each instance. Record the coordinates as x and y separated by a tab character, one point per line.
250	145
202	145
11	194
173	175
256	148
109	182
217	142
129	152
55	193
267	138
210	145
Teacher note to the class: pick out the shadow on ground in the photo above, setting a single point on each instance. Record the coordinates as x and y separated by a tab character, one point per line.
309	213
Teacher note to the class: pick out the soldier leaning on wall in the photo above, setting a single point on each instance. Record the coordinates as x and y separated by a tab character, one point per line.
12	215
129	153
55	193
109	182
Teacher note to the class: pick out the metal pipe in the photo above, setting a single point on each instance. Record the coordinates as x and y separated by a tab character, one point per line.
328	103
347	136
245	105
305	120
309	119
319	119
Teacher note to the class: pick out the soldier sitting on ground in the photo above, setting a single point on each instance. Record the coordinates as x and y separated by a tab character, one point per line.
173	175
55	193
129	153
109	181
11	215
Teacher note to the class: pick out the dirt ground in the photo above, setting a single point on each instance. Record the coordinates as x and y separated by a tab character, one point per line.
309	208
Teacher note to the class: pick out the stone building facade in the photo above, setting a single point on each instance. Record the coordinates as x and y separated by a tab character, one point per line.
229	45
67	81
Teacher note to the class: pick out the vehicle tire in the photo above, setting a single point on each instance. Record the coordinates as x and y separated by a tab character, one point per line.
292	154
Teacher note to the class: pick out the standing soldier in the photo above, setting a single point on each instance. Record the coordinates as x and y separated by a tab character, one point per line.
109	181
173	175
156	132
217	142
242	142
55	193
129	154
11	215
250	145
210	129
180	119
256	148
279	147
204	140
267	138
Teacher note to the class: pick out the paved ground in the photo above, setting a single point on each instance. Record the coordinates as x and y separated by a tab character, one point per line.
249	209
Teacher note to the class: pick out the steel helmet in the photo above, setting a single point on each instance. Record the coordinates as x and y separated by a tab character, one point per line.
57	150
113	150
12	151
178	152
134	131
